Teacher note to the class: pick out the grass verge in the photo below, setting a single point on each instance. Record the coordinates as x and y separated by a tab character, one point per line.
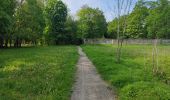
133	77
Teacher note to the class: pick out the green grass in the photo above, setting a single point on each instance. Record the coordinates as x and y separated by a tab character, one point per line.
133	78
42	73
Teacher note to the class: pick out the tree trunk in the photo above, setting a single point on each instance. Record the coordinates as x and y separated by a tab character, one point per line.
155	57
16	43
19	42
10	43
118	33
6	42
1	42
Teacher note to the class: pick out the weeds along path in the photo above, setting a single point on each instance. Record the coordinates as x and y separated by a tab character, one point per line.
89	85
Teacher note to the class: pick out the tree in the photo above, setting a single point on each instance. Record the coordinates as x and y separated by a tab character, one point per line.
158	20
29	23
56	13
125	12
158	27
91	23
112	27
72	36
7	9
136	27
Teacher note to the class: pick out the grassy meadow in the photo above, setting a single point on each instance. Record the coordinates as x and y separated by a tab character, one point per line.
133	78
41	73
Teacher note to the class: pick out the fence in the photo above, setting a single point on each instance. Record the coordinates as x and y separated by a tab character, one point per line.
126	41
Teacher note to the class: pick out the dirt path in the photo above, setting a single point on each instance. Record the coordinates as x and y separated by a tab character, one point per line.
89	85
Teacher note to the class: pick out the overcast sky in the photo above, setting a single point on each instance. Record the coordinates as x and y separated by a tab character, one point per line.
107	6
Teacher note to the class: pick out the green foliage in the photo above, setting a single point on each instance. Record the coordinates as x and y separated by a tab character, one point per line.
133	77
113	26
149	19
29	24
112	29
48	74
47	21
136	24
72	36
158	20
91	23
56	16
7	8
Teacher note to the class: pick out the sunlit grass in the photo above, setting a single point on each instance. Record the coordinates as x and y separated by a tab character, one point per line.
42	73
133	77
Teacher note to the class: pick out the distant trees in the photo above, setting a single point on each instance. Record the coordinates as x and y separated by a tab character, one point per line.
71	29
112	29
7	10
29	23
48	22
149	19
91	23
135	22
158	21
21	22
61	28
36	22
56	12
136	26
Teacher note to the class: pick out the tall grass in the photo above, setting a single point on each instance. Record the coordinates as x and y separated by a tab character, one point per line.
133	77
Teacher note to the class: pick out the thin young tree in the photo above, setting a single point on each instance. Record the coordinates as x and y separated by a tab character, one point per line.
123	9
158	28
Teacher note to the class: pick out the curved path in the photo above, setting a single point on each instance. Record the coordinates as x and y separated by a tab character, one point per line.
89	85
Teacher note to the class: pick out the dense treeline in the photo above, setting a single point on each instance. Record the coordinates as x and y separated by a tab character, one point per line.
38	22
7	10
149	19
21	22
